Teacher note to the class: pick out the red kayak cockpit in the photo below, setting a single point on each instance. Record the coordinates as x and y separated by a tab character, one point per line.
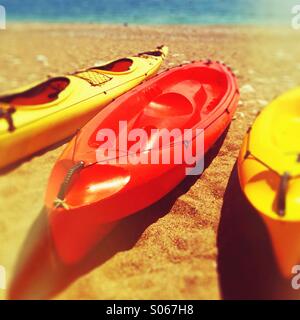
183	100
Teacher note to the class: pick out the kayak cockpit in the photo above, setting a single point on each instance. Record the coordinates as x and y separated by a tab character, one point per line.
187	99
286	127
43	93
121	65
156	53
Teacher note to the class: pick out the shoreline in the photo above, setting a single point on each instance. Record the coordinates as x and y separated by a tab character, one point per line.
173	30
32	23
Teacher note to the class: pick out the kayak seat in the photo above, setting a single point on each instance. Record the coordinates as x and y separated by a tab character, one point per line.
285	128
168	110
169	104
213	100
284	135
201	97
41	94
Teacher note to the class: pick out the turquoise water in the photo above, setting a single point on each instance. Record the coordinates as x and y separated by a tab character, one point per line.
152	11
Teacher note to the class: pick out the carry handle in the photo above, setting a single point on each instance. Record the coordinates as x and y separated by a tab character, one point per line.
282	192
6	113
59	201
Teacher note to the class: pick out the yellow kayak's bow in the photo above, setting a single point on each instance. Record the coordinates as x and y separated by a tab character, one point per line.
269	173
37	116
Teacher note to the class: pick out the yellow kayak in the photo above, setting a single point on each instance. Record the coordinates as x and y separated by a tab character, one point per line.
39	115
269	173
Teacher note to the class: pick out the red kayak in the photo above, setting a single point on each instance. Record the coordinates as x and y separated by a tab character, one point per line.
89	192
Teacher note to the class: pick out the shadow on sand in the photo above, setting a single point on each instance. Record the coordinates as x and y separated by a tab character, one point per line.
39	273
247	268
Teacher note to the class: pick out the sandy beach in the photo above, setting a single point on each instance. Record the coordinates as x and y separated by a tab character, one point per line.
186	246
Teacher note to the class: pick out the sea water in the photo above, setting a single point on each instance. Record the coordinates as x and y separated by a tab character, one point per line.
262	12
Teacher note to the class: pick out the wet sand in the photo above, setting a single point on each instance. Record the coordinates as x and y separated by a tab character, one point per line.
176	249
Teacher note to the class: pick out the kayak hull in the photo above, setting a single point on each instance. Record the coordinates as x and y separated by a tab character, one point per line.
104	193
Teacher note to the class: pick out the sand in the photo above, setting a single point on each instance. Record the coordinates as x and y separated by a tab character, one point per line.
183	247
